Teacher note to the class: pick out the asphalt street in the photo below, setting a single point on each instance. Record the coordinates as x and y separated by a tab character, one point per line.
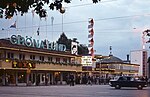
72	91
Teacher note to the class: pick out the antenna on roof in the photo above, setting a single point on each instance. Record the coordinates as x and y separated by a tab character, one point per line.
110	48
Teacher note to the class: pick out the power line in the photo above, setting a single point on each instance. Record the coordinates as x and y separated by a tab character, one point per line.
87	4
101	19
79	31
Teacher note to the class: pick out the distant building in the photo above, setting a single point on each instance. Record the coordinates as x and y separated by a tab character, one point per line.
112	66
149	67
140	57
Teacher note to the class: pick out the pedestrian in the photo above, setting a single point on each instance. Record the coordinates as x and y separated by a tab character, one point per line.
89	80
46	81
71	78
56	79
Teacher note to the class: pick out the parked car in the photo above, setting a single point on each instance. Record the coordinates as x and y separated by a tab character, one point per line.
127	81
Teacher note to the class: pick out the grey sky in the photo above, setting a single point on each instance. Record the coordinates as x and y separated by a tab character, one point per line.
115	21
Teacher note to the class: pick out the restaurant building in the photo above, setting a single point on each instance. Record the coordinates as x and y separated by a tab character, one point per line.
110	66
26	61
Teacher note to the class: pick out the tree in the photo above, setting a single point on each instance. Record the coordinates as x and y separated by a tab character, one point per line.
10	7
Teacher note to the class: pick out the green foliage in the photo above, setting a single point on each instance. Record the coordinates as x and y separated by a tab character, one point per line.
10	7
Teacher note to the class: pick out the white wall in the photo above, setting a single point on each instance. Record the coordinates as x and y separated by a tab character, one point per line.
137	58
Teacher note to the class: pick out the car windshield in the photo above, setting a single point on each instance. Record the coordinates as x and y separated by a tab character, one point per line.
116	78
132	79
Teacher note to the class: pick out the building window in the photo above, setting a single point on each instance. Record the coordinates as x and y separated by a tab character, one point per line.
21	56
50	59
0	55
41	58
10	55
64	60
21	77
32	57
69	60
57	60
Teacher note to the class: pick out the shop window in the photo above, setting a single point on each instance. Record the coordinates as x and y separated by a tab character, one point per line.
33	80
10	55
43	77
21	77
21	56
1	76
50	59
41	58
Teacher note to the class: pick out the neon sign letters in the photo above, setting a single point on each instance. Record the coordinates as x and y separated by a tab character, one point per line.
29	42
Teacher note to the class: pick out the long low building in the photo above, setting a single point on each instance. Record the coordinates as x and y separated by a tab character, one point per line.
112	66
24	61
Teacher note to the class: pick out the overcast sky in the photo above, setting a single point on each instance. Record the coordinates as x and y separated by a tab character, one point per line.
118	23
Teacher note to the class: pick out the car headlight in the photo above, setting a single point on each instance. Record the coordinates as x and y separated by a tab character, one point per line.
110	83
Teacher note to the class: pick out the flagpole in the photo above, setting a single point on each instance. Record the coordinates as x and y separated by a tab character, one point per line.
9	28
16	25
52	20
39	30
32	22
46	28
25	23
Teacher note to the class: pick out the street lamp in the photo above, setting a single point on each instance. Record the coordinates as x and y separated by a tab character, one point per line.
62	11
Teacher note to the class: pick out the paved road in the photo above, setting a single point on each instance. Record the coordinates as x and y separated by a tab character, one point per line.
74	91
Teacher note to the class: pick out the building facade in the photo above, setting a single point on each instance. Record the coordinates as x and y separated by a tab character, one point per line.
21	63
140	57
110	66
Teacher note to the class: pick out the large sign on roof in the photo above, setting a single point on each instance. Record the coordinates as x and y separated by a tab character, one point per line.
43	44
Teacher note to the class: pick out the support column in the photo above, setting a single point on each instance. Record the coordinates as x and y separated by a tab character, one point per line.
52	78
49	78
16	78
46	78
40	78
61	77
27	82
34	77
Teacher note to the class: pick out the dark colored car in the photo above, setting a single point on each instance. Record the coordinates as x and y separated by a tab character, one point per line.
127	81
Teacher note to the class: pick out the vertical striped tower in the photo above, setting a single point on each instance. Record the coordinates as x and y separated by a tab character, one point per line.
90	37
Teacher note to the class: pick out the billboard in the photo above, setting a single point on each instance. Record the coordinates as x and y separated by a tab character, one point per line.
86	60
74	48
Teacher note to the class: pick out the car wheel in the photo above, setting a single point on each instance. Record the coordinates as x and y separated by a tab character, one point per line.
117	86
140	87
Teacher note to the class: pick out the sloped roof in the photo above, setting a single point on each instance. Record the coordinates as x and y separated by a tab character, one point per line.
111	59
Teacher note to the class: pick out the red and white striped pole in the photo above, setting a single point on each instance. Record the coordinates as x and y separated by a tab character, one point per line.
90	37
